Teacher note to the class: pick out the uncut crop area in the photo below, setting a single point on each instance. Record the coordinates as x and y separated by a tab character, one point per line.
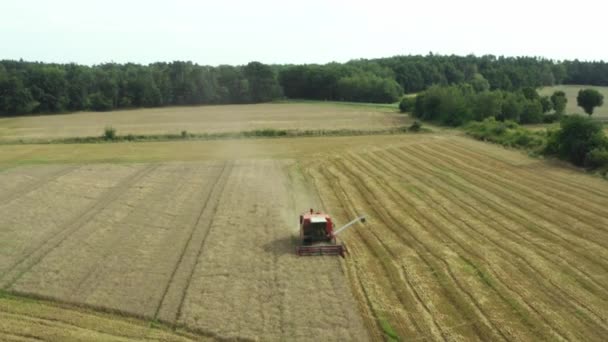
204	246
468	241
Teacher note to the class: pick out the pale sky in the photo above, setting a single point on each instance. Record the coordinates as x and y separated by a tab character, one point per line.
312	31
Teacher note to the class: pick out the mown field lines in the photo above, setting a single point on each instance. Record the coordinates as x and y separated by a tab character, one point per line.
462	245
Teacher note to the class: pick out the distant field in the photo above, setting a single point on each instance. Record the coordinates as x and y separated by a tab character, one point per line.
205	119
572	91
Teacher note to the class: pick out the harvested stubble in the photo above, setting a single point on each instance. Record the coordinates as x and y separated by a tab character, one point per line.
470	242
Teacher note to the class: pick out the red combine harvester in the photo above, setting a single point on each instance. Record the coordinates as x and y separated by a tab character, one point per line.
317	234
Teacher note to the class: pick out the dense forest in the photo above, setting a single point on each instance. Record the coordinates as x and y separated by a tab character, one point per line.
32	87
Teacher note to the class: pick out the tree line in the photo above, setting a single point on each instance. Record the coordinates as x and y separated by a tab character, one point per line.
27	87
456	105
31	87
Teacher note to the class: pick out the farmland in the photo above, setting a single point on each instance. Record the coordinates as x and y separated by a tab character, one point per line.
464	240
204	119
38	320
203	245
473	242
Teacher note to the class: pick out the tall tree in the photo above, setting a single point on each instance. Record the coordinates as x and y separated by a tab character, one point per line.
588	99
559	100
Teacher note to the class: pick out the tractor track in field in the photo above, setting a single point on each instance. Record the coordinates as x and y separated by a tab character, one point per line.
216	179
96	274
499	208
32	186
392	223
477	308
590	213
210	207
36	254
515	237
444	212
522	195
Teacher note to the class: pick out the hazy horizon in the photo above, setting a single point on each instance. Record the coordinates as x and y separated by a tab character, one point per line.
277	32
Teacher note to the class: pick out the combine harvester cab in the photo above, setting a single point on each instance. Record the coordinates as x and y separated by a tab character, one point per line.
317	234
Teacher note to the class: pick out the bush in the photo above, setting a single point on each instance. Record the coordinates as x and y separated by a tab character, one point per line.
506	133
487	104
109	133
532	113
576	137
499	129
512	106
588	99
184	134
415	127
446	105
559	101
551	118
546	104
597	158
407	104
267	132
